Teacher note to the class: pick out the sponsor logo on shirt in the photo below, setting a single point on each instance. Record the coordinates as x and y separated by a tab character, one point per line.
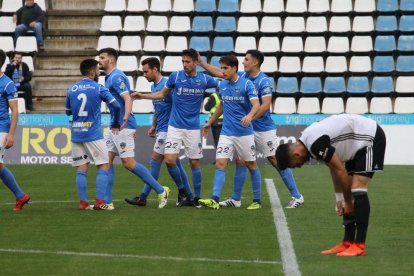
190	91
233	99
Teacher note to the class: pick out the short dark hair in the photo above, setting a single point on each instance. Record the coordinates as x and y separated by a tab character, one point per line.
190	53
283	156
87	65
257	55
152	62
17	53
110	52
229	60
2	57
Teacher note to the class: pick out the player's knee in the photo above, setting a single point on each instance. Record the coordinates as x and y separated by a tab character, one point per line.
194	163
240	162
221	164
251	165
128	163
170	160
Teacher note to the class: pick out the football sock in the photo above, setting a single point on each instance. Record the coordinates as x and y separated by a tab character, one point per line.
361	210
111	177
184	178
101	183
8	179
197	179
81	183
219	179
155	168
349	226
289	180
176	176
256	179
142	172
238	182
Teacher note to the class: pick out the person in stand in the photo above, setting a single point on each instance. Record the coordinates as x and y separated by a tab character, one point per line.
30	17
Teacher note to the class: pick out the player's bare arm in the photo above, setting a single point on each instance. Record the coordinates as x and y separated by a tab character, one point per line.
215	71
263	107
151	130
13	124
151	96
246	120
217	113
128	108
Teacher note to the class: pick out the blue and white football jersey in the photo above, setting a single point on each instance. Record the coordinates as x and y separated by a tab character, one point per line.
162	107
84	100
235	97
187	94
118	83
263	86
8	93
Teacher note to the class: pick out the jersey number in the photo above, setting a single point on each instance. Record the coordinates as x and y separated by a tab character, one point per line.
82	97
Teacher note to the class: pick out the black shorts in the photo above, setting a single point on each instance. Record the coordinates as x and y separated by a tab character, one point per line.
369	159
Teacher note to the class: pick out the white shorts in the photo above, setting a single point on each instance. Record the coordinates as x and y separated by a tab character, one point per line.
191	138
3	136
244	146
266	142
159	146
83	153
123	143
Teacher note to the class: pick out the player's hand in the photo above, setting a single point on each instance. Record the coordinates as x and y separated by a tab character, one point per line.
124	122
246	120
199	59
115	130
206	128
136	95
339	208
348	208
151	131
9	141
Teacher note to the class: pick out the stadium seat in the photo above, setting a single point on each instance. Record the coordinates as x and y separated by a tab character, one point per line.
143	58
385	43
101	80
131	81
382	85
380	105
406	5
11	6
289	64
341	6
311	85
160	6
387	5
200	68
386	23
131	43
154	43
405	64
318	6
200	43
356	105
180	24
334	85
142	106
271	24
223	44
7	25
250	6
383	64
176	44
338	44
134	23
308	105
111	23
127	63
248	24
334	105
157	23
407	23
287	86
405	84
228	6
336	64
294	24
269	44
115	6
202	24
183	6
245	43
215	61
106	41
6	43
171	64
269	65
143	85
137	5
313	65
21	105
225	24
406	43
205	6
26	44
273	6
292	44
315	44
366	6
360	64
316	24
296	6
404	105
361	44
340	24
7	61
358	85
284	105
29	61
363	24
41	3
104	108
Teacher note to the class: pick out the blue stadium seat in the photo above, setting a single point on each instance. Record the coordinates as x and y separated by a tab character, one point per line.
223	44
205	6
386	24
387	5
407	23
228	6
287	85
202	24
225	24
334	85
405	64
382	85
200	68
407	5
383	64
311	85
385	43
215	61
273	83
358	85
406	43
200	43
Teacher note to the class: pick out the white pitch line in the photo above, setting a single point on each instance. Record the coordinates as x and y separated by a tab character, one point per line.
130	256
61	201
289	261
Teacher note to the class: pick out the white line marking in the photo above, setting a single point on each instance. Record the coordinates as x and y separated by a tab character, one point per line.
289	261
130	256
61	201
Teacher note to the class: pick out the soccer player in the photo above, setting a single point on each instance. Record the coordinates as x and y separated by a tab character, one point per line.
353	147
264	129
187	88
239	103
123	143
151	68
83	102
8	99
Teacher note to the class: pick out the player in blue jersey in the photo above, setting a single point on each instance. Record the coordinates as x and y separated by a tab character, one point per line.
83	102
151	68
264	130
239	104
187	88
8	99
123	143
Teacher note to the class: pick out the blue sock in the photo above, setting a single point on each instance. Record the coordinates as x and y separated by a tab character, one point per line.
289	180
81	183
111	177
176	176
142	172
184	178
101	183
256	184
219	180
155	172
8	179
197	180
239	180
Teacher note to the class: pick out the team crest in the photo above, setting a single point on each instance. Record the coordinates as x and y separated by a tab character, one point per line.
269	144
237	89
160	141
198	82
122	85
95	154
122	145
